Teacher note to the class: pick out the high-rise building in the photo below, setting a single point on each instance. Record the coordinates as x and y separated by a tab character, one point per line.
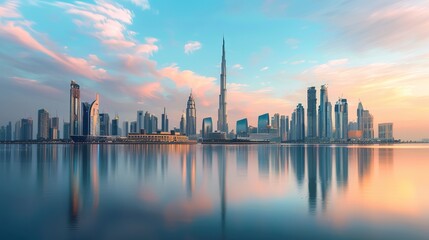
140	121
222	122
43	125
26	129
133	127
385	131
147	126
207	127
94	116
125	129
311	113
365	122
2	133
328	122
191	117
74	109
242	128
54	131
86	119
9	132
153	124
66	131
325	114
115	126
17	133
341	120
104	124
300	123
275	123
264	123
164	122
284	128
183	124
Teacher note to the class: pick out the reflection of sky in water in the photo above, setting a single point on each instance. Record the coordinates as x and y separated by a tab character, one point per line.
213	191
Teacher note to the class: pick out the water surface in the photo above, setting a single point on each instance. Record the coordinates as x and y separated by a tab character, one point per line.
214	191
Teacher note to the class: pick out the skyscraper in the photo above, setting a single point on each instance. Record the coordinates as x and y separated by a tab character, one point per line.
325	114
222	122
207	127
43	125
17	133
365	122
341	119
264	123
140	121
125	128
133	127
74	108
104	124
284	128
183	124
147	126
26	129
164	122
9	132
385	131
191	117
86	119
300	123
94	116
115	126
311	113
153	123
54	131
66	131
275	123
242	128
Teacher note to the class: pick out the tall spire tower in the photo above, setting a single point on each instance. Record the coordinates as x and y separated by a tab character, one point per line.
222	122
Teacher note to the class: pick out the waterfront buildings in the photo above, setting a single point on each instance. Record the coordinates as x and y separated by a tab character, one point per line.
133	127
207	128
74	109
385	131
104	124
284	128
115	126
365	122
297	126
17	133
26	129
275	124
341	120
222	123
242	128
191	117
66	131
86	119
140	121
94	116
125	128
164	122
325	115
183	124
42	125
311	113
264	123
54	130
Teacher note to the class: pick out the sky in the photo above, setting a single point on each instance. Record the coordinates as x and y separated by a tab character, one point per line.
146	55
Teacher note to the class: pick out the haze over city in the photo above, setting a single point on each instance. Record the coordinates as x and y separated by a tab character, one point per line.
146	55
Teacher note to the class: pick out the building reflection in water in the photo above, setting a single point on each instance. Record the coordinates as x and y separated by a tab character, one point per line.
385	159
298	163
263	161
242	159
365	158
189	165
47	164
208	159
221	160
84	180
312	178
325	172
25	156
342	167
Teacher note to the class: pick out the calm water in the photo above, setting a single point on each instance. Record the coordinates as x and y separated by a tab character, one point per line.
214	191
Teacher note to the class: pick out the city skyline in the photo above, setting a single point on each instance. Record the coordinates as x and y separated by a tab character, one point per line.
264	75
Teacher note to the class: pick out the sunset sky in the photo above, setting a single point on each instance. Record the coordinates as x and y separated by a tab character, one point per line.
144	55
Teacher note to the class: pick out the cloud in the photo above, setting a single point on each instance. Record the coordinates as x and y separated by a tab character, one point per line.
237	66
34	85
149	47
144	4
263	69
389	25
9	9
192	46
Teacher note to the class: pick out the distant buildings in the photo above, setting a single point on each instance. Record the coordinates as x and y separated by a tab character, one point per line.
164	122
104	124
43	125
284	128
125	129
341	120
26	129
325	115
264	123
207	127
66	131
74	108
385	131
297	126
183	124
133	127
54	130
140	121
311	113
191	117
275	124
222	122
365	122
115	126
242	128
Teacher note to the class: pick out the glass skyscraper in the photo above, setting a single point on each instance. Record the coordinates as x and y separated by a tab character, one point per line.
325	114
43	125
311	113
207	127
242	128
191	117
341	119
264	123
104	124
74	109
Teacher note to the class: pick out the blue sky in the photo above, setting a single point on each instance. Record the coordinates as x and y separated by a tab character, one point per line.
142	54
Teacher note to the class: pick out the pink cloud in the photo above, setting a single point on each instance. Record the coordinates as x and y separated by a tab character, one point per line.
151	90
9	9
144	4
192	46
35	85
149	47
76	65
